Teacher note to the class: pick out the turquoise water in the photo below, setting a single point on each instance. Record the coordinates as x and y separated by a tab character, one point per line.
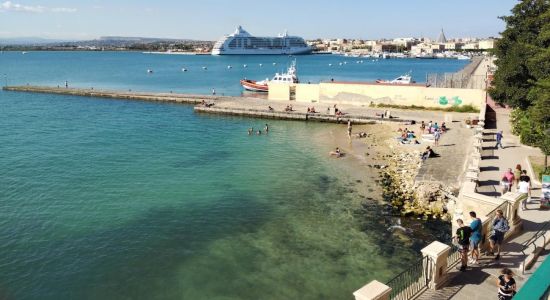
105	199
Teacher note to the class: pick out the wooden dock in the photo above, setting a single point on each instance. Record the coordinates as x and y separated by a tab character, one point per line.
225	105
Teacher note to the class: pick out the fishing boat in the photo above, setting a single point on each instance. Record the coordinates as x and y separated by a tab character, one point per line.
403	79
263	86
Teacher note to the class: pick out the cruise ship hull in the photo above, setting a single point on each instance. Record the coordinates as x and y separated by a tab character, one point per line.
291	51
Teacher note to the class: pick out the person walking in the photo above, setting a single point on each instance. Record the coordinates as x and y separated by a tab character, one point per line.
506	284
524	187
511	178
500	227
526	178
517	174
499	140
505	185
475	238
437	136
462	237
349	129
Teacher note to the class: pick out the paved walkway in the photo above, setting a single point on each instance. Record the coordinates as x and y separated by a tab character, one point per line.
479	281
454	148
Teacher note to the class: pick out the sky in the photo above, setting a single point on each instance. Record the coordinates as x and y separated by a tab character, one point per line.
211	19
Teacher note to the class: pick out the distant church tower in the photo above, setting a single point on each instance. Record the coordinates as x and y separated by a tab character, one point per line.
441	39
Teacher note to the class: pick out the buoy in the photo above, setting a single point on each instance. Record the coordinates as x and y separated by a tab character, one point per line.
261	65
330	65
274	63
340	64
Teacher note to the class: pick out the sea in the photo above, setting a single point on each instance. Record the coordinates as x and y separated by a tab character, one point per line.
115	199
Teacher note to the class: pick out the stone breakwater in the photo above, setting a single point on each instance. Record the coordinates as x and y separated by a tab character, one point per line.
428	200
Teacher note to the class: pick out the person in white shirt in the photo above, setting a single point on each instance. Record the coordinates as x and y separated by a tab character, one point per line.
524	187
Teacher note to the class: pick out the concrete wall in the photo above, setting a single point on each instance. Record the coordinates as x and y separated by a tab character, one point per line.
364	94
279	91
307	92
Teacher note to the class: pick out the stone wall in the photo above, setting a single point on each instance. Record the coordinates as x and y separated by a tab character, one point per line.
365	94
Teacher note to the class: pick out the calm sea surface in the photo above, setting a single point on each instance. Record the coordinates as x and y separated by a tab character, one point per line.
103	199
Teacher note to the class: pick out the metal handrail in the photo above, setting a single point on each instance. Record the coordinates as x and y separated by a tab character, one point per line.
540	233
411	281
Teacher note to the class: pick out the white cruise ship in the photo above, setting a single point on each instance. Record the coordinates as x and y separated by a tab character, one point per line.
242	43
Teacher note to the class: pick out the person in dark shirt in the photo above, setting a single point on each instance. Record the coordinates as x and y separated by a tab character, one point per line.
462	237
506	285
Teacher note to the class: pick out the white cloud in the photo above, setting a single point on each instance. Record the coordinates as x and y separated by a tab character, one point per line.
63	10
10	6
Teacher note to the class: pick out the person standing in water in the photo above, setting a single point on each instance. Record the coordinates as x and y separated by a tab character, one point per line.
266	128
349	129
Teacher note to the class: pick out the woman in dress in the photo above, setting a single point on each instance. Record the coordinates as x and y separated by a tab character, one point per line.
506	285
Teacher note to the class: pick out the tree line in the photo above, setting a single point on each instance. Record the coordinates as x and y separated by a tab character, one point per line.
522	78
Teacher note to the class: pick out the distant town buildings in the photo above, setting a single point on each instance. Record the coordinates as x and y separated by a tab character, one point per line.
414	46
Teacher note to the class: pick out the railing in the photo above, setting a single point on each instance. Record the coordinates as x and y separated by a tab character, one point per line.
454	256
541	233
411	281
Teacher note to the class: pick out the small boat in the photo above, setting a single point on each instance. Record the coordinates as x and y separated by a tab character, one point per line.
149	71
205	68
463	57
229	67
262	86
183	69
403	79
24	52
260	65
245	66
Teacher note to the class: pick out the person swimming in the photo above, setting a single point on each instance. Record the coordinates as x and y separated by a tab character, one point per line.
336	152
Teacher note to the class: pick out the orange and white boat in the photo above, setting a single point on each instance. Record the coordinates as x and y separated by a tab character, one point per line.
263	86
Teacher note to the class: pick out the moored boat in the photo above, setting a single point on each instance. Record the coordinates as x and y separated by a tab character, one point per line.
263	86
403	79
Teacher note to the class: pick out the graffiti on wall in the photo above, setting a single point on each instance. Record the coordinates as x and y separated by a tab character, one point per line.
454	101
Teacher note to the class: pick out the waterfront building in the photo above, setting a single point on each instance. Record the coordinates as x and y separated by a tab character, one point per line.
486	44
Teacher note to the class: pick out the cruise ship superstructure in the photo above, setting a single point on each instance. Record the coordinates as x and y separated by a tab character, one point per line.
242	43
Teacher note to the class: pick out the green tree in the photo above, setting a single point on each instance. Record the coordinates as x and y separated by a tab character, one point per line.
522	79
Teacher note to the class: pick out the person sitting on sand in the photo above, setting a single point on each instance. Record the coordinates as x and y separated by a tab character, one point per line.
313	109
429	153
270	108
308	110
336	152
443	127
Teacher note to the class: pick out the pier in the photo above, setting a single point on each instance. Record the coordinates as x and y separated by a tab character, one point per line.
231	105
